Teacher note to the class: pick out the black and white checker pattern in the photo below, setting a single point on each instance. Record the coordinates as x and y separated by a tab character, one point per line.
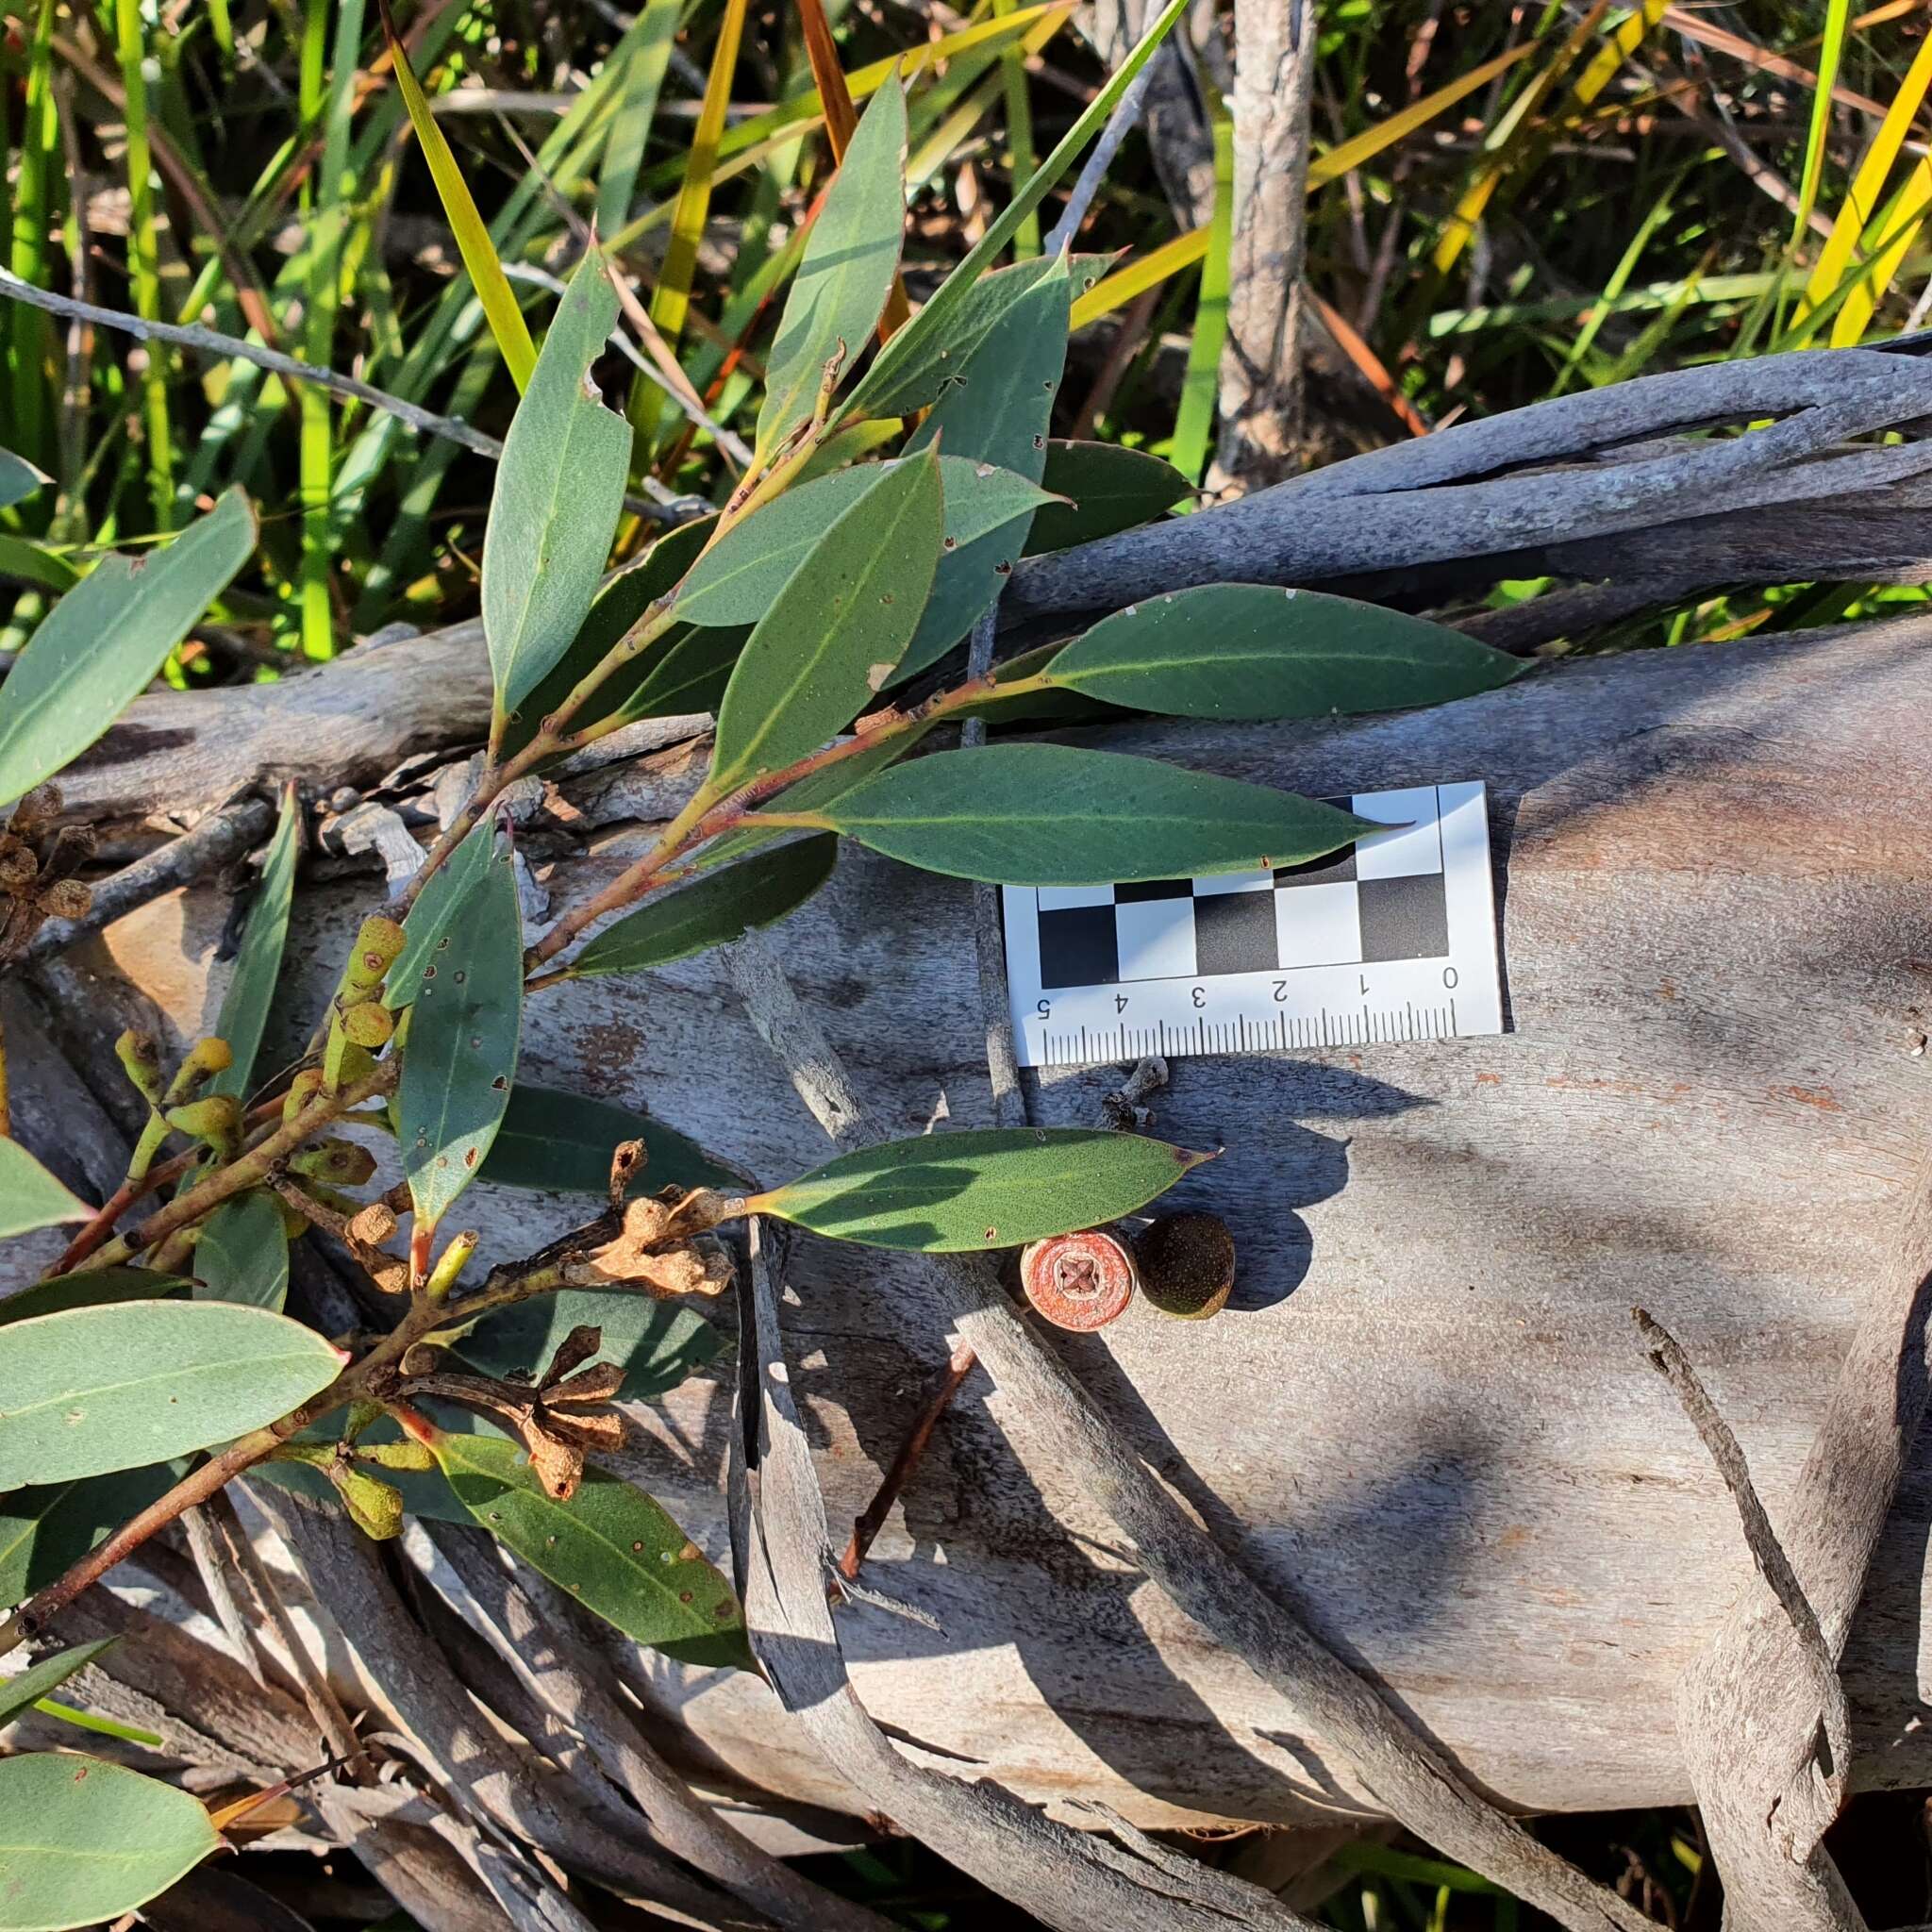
1369	904
1393	940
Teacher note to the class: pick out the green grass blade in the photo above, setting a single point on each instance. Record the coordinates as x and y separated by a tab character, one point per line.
471	235
1193	424
143	260
1837	17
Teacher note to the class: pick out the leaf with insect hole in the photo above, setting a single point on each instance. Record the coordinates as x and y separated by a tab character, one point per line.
462	1052
1107	488
612	1546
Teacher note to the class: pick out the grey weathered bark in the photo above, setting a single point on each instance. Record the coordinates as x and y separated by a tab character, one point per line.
1261	363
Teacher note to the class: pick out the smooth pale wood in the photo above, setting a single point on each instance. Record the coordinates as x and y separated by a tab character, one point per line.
1427	1418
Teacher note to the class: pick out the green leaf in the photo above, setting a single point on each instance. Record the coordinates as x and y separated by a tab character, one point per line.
92	1287
34	563
998	412
30	1197
19	478
105	639
424	1492
427	924
850	260
34	1683
934	323
100	1389
461	1053
103	1727
561	1142
648	686
44	1531
83	1841
995	1187
897	384
813	793
837	630
658	1344
558	491
1055	815
722	907
614	1549
1109	488
242	1254
258	964
1251	651
740	576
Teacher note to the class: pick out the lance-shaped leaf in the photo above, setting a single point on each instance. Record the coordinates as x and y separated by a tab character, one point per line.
258	963
934	323
43	1531
1107	489
83	1841
92	1287
105	639
997	412
242	1254
660	681
995	1187
100	1389
722	907
424	930
562	1143
38	1680
19	478
1252	651
461	1053
838	628
1056	815
559	490
657	1344
30	1197
740	576
612	1546
897	384
850	260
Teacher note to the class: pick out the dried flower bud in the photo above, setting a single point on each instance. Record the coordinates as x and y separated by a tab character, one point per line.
420	1358
627	1161
1079	1281
573	1352
37	810
66	899
1186	1264
18	866
306	1085
373	1224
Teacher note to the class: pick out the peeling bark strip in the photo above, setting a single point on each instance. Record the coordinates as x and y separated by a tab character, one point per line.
1261	364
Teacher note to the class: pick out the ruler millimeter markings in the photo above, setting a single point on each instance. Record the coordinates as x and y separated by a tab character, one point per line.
1393	938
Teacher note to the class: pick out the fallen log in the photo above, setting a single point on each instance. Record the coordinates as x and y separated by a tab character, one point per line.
1426	1421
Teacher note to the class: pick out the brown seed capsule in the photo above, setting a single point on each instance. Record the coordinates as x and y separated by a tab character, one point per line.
1079	1281
66	899
1186	1264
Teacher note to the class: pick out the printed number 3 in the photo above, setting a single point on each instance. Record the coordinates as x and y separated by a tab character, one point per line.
1200	995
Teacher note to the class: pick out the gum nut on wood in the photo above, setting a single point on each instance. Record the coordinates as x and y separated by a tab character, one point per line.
1079	1281
1186	1264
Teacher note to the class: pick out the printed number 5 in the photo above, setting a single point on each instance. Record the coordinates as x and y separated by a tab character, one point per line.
1044	1009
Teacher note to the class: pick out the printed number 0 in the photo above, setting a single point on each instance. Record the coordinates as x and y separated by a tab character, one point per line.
1450	977
1200	995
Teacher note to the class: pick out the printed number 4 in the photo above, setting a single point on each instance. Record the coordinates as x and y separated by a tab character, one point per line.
1119	1003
